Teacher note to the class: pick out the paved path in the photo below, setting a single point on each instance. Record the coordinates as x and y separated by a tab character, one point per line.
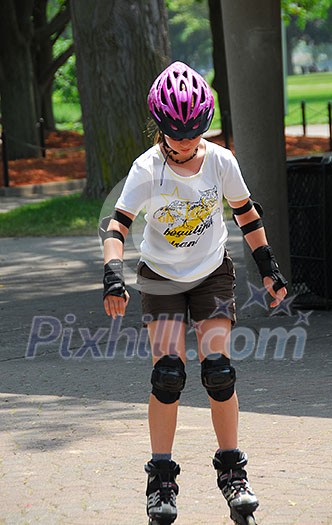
16	196
74	435
10	203
312	130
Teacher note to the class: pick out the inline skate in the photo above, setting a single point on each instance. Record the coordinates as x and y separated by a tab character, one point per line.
161	491
233	483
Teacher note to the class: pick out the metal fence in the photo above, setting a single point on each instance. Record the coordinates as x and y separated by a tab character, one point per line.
304	110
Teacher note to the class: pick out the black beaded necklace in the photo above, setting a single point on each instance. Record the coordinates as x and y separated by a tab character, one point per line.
168	155
183	161
170	150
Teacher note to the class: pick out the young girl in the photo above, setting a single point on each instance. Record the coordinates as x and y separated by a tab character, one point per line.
185	272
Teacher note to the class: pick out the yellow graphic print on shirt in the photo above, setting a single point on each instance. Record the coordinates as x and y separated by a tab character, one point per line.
186	218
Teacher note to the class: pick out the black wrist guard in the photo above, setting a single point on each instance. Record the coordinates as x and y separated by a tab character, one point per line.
268	266
113	278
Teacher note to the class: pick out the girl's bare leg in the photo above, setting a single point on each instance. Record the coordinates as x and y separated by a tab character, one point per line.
166	338
213	336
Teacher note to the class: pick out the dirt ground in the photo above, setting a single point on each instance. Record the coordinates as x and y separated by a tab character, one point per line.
65	158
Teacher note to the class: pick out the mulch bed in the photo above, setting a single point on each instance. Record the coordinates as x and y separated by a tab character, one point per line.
65	158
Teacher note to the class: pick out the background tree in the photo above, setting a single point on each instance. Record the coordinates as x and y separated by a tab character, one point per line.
18	107
121	46
47	30
305	10
297	15
255	73
27	68
189	32
220	80
196	35
293	35
316	31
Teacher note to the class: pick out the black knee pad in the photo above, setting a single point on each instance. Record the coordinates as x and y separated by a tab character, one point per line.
168	379
218	377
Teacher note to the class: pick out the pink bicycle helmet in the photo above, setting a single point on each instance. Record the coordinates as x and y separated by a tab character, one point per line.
181	102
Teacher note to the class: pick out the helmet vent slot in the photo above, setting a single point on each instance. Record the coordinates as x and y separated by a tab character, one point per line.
162	96
184	108
174	101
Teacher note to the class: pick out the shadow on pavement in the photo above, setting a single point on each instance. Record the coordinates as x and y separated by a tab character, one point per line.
53	278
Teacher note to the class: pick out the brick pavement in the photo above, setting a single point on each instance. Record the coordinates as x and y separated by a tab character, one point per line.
74	433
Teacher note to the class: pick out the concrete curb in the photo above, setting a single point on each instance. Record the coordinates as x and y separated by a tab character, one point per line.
48	188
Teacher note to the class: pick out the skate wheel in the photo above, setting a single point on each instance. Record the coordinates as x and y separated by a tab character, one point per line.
244	520
250	520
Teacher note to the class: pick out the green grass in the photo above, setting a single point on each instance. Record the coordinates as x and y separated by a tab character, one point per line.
69	215
59	216
215	124
315	89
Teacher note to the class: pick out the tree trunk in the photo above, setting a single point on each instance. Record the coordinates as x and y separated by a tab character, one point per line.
255	75
45	34
220	81
289	47
16	80
47	108
121	46
43	56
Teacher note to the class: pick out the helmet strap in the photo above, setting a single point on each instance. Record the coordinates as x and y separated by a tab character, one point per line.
166	146
169	151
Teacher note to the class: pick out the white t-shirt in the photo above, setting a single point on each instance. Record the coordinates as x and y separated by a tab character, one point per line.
185	234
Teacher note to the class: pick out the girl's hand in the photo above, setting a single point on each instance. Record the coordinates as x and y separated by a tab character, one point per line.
278	296
115	306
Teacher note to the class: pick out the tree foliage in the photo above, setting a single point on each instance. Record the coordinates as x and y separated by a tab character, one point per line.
305	10
314	28
316	32
65	82
189	31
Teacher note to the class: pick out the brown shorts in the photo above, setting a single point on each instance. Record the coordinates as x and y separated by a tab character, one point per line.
211	297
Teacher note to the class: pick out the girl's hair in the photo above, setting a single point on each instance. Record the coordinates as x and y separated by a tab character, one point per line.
159	137
154	134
